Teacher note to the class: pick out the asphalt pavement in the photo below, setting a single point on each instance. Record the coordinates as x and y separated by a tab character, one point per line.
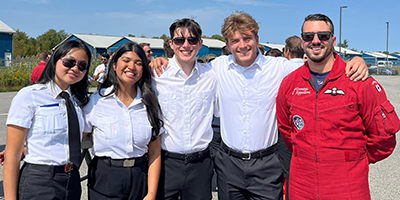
384	176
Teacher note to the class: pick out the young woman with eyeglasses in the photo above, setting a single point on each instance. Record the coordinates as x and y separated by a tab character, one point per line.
124	117
39	116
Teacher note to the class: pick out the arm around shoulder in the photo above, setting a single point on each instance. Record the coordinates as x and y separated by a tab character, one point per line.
357	69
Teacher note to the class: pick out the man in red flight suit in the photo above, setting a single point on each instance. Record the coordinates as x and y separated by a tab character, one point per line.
334	127
37	71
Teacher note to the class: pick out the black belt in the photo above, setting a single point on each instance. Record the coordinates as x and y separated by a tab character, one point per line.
247	156
188	158
52	168
128	162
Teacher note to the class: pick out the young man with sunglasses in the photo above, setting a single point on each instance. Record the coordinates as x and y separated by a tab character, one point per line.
248	83
335	127
147	50
186	92
101	70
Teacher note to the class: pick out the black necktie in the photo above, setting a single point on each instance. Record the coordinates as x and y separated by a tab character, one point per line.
74	136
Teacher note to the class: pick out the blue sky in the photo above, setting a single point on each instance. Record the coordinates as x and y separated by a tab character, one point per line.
363	22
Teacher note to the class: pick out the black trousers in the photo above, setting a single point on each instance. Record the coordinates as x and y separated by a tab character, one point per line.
47	184
185	180
257	178
285	157
107	182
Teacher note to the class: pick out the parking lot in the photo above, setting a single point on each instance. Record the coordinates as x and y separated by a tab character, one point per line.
384	176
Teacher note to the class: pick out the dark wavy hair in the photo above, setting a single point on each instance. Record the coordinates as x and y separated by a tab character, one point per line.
319	17
192	26
149	97
79	89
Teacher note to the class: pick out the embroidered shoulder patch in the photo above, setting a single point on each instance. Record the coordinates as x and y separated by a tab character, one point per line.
298	122
378	88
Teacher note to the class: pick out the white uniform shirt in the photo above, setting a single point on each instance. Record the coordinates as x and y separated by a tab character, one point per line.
40	109
187	104
299	61
118	131
246	98
100	79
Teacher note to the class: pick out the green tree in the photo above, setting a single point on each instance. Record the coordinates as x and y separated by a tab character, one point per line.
353	49
218	37
131	35
20	41
50	39
345	44
31	47
164	37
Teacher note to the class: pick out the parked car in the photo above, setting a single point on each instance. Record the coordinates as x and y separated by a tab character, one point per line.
387	71
372	71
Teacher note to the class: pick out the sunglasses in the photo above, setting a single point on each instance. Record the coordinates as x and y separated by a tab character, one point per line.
71	62
181	40
322	36
148	51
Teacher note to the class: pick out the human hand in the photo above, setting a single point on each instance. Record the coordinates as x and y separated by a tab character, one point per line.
158	64
357	69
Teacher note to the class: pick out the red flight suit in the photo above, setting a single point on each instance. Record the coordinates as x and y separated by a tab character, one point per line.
334	133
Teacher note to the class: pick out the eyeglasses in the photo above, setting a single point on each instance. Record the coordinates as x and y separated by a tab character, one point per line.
181	40
71	62
322	35
148	51
104	59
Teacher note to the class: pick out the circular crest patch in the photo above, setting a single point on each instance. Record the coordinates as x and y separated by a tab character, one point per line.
298	122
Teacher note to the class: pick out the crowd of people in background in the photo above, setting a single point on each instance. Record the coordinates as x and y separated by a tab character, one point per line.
251	119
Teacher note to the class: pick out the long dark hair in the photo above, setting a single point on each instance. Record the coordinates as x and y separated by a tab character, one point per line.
149	97
79	89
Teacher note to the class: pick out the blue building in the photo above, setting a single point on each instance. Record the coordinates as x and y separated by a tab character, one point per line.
98	44
372	58
6	44
156	45
211	46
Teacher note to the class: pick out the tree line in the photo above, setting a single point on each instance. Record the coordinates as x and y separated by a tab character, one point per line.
25	46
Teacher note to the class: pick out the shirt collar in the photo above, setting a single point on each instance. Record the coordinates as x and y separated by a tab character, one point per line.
176	69
137	100
336	71
258	62
56	90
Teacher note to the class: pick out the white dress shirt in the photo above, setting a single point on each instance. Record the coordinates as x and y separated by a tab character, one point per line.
246	99
40	109
118	131
188	105
299	61
100	79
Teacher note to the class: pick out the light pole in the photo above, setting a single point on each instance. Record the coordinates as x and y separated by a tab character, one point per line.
387	45
340	30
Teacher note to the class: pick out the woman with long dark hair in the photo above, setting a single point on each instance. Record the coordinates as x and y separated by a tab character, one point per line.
125	120
48	116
